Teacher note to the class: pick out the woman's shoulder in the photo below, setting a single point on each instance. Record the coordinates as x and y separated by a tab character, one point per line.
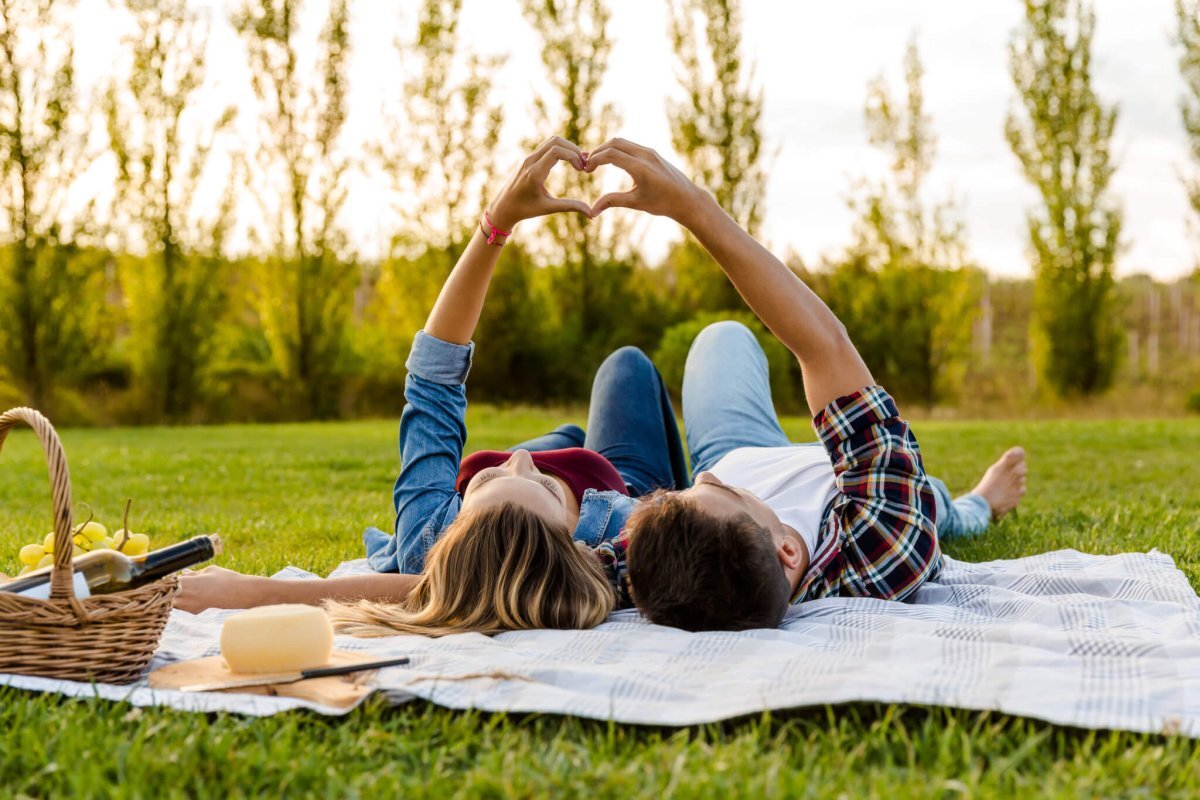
602	516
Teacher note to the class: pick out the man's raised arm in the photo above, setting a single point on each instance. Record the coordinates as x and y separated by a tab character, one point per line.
828	359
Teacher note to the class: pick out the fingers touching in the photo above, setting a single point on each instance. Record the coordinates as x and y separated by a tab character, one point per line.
526	196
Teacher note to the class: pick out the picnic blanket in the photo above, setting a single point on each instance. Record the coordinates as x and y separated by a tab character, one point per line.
1075	639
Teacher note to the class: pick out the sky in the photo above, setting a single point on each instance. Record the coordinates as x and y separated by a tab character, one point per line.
813	61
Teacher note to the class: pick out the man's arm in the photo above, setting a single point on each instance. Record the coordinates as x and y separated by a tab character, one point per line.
217	587
831	365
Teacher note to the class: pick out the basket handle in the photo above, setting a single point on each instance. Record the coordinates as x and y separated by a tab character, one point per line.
61	587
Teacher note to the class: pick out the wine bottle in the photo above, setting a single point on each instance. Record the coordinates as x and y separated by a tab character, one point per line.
108	571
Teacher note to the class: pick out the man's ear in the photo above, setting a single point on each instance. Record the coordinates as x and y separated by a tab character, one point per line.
790	555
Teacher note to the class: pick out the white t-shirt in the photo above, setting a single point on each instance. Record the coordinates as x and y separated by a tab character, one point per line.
796	482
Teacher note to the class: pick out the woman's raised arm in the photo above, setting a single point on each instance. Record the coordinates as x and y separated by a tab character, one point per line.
831	365
524	196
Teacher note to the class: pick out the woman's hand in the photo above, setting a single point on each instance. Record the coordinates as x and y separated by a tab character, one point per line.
217	587
658	187
525	195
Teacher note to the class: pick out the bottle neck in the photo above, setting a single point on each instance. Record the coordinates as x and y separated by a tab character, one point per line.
160	563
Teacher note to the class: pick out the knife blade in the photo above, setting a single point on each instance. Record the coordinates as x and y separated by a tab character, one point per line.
291	677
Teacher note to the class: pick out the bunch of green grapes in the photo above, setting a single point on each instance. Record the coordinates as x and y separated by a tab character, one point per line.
86	537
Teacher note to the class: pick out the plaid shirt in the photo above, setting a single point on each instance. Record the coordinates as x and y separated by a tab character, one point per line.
879	538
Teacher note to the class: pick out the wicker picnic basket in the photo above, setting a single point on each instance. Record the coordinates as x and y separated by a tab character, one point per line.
107	638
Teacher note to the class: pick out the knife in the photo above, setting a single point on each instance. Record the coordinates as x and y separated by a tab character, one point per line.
291	677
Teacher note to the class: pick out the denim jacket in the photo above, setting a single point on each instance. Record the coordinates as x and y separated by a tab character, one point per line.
433	431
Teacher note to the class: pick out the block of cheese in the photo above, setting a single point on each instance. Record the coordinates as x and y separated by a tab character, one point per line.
282	638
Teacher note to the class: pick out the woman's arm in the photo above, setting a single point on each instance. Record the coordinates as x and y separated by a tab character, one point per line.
433	425
830	364
456	312
217	587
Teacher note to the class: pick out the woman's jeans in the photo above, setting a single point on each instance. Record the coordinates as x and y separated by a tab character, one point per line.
631	423
727	404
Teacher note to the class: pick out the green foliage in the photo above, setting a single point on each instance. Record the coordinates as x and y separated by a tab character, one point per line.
671	356
717	129
1187	16
441	158
43	339
1061	134
717	132
173	302
696	281
304	292
587	258
173	294
520	354
253	484
911	324
442	154
904	289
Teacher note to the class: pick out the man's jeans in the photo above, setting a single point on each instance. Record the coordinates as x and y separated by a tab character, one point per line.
631	423
727	404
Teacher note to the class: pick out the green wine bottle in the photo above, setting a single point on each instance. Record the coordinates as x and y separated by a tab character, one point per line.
108	571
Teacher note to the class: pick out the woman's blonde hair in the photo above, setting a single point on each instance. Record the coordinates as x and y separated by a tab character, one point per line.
500	568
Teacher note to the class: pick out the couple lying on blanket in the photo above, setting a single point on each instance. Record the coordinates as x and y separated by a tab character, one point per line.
559	531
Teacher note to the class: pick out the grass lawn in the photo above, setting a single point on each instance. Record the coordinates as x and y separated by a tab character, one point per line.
301	494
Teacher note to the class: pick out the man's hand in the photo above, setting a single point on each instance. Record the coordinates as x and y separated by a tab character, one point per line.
524	196
217	587
658	187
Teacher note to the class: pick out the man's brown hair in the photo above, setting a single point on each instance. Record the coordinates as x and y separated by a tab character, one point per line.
692	570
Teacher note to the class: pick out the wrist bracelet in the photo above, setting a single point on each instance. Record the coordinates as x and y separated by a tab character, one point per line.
494	232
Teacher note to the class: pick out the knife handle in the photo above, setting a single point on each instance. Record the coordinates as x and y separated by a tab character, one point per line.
325	672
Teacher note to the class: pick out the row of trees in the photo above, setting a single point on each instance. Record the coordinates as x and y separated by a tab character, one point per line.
141	313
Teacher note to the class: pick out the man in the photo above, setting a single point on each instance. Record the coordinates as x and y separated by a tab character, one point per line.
767	523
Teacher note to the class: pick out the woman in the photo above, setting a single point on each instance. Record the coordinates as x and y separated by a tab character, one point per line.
498	541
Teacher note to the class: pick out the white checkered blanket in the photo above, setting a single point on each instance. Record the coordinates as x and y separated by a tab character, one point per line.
1075	639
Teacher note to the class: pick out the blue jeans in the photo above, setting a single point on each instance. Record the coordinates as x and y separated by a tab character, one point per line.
631	422
727	404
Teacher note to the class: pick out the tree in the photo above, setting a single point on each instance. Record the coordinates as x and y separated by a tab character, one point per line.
175	293
904	289
46	337
717	132
450	132
1187	14
588	255
443	163
1061	134
306	291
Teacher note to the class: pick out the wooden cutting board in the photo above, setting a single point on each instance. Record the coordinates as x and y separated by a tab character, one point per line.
338	691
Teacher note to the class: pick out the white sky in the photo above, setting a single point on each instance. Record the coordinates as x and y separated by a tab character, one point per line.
814	60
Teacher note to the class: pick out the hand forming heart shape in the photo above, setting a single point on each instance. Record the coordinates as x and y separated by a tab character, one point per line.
658	187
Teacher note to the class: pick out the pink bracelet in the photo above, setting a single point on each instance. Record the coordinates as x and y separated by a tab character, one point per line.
494	232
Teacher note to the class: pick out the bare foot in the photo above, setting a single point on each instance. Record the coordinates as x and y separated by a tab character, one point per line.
1003	484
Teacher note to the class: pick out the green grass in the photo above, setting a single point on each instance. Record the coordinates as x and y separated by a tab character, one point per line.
301	494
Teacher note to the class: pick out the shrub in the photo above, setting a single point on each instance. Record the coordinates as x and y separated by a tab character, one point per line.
671	355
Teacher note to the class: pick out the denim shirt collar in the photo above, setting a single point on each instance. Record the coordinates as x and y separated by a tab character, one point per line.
602	516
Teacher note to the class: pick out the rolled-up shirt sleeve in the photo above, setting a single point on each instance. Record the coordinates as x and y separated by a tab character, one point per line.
439	361
880	536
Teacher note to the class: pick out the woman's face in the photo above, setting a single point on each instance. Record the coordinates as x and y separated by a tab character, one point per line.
518	481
